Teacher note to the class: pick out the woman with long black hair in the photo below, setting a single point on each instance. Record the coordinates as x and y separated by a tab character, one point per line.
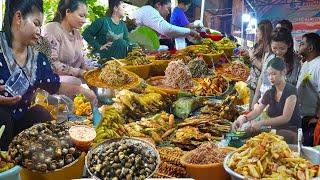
21	30
283	108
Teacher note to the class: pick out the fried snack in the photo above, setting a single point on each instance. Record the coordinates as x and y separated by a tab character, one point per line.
5	164
237	69
268	156
212	86
178	76
199	68
207	153
82	107
170	166
136	58
113	75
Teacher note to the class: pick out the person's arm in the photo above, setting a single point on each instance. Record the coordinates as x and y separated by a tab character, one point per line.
125	33
71	90
284	118
90	32
248	117
156	22
61	68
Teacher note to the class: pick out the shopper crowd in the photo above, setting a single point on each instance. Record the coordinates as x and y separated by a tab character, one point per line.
283	82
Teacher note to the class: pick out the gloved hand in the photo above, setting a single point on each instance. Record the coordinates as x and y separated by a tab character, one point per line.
197	23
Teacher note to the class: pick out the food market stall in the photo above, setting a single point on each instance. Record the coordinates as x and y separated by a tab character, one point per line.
169	116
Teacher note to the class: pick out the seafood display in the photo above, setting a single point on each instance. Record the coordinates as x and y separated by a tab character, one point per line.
123	159
178	76
136	58
267	155
113	75
135	105
43	147
199	68
82	107
207	153
5	164
211	86
111	125
170	166
237	70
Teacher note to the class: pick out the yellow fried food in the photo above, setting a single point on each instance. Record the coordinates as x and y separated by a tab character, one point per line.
268	156
82	107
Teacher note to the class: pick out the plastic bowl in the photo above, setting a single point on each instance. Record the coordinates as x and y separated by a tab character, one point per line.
227	50
17	84
156	82
71	171
205	171
11	174
82	136
212	59
158	67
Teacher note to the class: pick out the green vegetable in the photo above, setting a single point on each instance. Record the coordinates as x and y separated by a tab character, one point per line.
184	106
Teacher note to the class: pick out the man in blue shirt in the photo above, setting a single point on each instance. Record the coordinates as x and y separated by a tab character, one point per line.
179	18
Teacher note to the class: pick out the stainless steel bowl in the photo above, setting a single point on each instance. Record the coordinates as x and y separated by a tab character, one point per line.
308	153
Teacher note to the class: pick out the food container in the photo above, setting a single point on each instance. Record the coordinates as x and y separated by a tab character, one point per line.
212	59
150	148
140	70
92	78
205	171
82	136
308	153
11	174
219	97
17	84
155	81
228	51
158	67
71	171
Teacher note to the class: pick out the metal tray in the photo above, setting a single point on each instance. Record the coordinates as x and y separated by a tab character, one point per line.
308	153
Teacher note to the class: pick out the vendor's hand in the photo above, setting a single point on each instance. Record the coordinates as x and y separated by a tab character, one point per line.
90	95
8	100
256	126
194	34
197	24
106	46
81	72
238	123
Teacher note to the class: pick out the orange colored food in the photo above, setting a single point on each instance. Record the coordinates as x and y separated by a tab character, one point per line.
82	133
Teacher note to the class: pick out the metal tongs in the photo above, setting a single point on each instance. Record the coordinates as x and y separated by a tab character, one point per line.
300	135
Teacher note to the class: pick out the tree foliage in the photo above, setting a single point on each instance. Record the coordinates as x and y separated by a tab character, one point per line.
94	9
